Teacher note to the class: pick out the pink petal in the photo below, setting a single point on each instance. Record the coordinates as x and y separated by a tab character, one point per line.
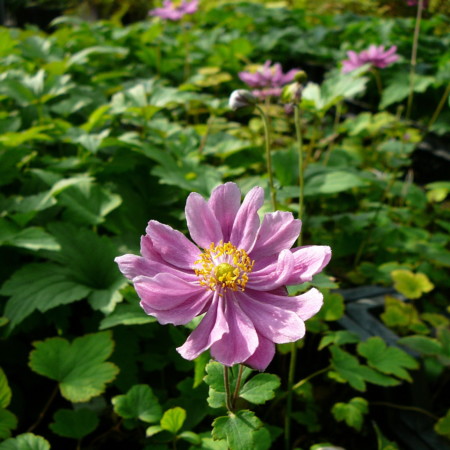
263	354
273	275
246	224
278	231
165	291
211	329
224	202
275	323
202	223
309	260
172	245
241	340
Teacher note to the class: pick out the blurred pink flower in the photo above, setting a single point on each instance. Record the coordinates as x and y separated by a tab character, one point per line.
238	278
268	80
415	2
376	56
172	11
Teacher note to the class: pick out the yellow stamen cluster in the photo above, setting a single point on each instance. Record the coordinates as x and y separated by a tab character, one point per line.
223	267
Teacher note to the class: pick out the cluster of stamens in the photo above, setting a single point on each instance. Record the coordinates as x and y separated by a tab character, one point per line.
223	267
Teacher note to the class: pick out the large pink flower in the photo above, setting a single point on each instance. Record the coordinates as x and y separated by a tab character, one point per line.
173	11
237	278
376	56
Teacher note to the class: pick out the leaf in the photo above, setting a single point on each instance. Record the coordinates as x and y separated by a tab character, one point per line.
237	429
173	419
138	403
422	344
442	426
40	286
340	337
191	437
8	422
352	412
126	314
32	238
332	182
400	314
5	390
382	442
333	307
26	441
411	285
74	424
260	388
79	367
349	369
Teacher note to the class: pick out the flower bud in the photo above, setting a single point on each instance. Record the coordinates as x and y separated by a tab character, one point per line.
292	93
241	98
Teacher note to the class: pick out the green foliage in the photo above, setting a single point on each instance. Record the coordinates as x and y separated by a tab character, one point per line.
79	367
26	441
74	424
442	426
411	285
352	412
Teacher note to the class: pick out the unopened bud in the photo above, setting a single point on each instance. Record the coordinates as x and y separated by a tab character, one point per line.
292	93
241	98
300	76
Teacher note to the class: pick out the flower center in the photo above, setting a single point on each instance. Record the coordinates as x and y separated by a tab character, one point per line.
223	267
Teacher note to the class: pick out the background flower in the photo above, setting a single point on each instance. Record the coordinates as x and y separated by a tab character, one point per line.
238	279
172	11
376	56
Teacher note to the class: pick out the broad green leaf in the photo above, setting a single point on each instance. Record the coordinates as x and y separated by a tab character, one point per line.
352	412
442	426
260	388
138	403
340	337
32	238
332	182
349	369
200	365
422	344
126	314
411	285
8	422
39	286
16	139
238	429
389	360
191	437
173	419
26	441
74	424
400	314
333	307
5	390
382	442
79	367
154	429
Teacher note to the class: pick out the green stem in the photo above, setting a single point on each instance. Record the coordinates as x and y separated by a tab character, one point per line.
291	375
337	119
412	72
406	408
226	382
301	181
238	386
273	197
439	107
44	410
187	65
376	75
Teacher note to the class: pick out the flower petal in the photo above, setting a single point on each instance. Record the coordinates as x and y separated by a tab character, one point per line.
273	275
165	291
224	202
241	340
278	231
211	329
246	224
174	247
202	223
263	354
275	323
309	260
308	304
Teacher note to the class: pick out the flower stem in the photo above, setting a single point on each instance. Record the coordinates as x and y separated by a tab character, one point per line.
406	408
291	375
273	197
238	386
301	181
43	412
439	107
412	72
376	75
226	382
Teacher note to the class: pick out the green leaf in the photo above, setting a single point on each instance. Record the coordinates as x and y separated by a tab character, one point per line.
411	285
352	412
400	314
154	429
238	429
26	441
340	337
200	365
389	360
173	419
442	426
382	442
422	344
8	421
333	307
79	367
5	390
126	314
260	388
191	437
349	369
74	424
332	182
138	403
32	238
40	286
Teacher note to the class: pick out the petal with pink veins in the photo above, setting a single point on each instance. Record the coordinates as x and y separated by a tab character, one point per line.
263	354
309	260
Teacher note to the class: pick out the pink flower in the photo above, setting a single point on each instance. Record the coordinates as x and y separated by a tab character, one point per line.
171	11
237	278
376	56
415	2
268	79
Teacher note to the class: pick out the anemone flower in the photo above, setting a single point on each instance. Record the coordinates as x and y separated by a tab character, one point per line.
174	12
376	56
236	274
268	80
